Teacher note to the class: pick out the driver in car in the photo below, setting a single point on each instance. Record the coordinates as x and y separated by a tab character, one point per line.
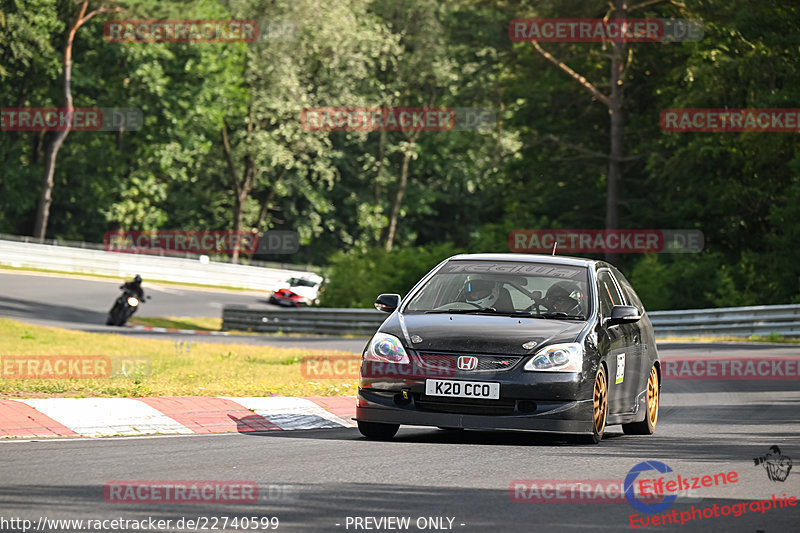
482	293
488	294
559	299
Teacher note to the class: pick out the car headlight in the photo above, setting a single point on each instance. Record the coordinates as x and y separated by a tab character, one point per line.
557	358
133	302
386	349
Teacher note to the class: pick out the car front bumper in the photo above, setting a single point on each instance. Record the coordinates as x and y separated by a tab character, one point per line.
558	403
290	302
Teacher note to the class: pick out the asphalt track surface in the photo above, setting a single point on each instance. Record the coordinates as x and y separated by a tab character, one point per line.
82	303
87	300
323	480
319	478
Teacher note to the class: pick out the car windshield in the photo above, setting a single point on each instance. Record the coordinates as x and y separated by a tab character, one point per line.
505	287
297	282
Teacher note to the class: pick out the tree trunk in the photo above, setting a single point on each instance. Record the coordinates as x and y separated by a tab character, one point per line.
615	103
242	193
616	100
46	192
237	223
398	200
241	185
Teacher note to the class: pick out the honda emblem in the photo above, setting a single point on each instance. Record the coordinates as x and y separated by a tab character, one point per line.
467	362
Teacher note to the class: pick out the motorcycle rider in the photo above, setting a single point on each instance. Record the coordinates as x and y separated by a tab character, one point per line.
134	287
119	314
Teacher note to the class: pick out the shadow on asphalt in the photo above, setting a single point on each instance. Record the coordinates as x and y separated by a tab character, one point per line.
432	435
663	445
21	309
669	442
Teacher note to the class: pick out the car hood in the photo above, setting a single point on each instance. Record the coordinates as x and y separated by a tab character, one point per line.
483	333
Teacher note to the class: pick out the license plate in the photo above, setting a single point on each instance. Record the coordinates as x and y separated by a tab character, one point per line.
484	390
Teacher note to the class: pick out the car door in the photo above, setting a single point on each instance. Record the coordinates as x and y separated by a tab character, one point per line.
623	357
644	341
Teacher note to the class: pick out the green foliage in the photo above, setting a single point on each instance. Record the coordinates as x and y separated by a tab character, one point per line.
542	166
356	278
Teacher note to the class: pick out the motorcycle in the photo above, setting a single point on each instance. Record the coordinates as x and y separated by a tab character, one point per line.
124	308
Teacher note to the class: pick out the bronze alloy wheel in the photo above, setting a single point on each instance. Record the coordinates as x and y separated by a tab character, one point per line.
600	401
648	424
652	397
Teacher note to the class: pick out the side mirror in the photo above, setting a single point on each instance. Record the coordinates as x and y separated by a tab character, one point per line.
623	314
387	302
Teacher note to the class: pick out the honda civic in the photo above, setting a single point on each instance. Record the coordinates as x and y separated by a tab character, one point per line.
512	342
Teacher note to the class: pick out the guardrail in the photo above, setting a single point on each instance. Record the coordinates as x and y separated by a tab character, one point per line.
304	320
727	321
150	267
734	321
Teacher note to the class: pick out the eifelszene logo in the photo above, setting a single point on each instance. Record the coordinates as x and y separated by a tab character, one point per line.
630	495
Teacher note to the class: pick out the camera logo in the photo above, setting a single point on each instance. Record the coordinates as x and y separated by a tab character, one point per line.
776	464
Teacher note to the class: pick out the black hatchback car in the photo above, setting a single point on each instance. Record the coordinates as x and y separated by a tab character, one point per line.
512	341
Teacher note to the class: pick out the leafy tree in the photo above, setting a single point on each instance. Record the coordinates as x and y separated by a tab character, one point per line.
269	154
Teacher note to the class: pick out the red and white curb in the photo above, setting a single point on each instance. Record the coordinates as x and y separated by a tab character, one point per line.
173	330
105	417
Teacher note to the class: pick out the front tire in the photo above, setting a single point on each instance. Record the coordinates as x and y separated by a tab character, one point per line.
599	410
648	425
122	317
112	314
378	431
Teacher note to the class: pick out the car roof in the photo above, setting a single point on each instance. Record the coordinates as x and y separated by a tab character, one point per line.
310	276
530	258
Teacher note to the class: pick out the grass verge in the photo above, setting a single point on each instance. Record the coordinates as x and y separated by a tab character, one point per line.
174	322
163	367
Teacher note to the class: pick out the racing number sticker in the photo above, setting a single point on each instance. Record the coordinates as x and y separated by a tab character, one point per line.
620	367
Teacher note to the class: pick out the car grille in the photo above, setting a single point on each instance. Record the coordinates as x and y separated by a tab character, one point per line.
465	406
486	363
